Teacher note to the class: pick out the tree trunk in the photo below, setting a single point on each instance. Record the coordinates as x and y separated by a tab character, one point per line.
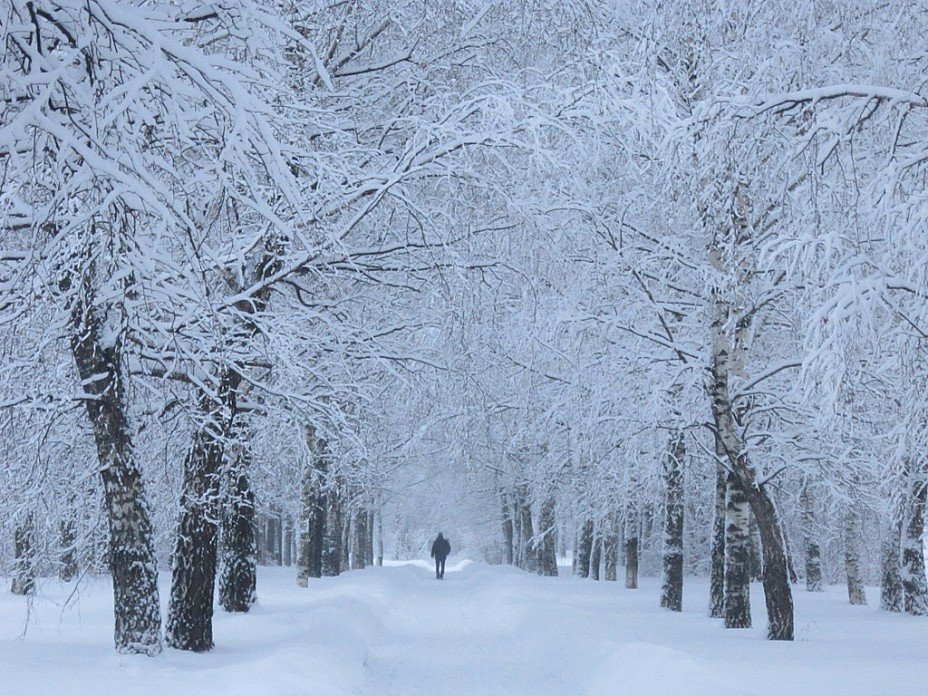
133	566
358	540
596	557
778	596
777	593
347	532
813	552
24	552
193	575
610	550
272	537
914	585
528	554
585	549
238	546
574	552
369	539
672	587
891	593
312	527
260	539
855	581
508	550
717	550
379	525
547	547
67	531
288	541
631	562
632	546
737	571
755	566
332	547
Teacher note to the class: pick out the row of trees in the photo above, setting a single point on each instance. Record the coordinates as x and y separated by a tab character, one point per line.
615	273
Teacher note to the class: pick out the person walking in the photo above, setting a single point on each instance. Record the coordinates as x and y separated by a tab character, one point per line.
440	550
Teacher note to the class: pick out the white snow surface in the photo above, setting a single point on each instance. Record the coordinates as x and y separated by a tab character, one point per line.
482	630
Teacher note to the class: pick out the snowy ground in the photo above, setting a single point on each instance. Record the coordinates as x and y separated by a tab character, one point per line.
482	630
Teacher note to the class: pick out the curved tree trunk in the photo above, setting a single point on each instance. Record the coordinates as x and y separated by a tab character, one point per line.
777	593
132	560
778	596
672	552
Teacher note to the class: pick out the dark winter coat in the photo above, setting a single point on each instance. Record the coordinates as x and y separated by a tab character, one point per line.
440	547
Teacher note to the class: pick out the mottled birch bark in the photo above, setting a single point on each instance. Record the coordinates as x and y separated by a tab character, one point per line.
24	553
131	549
585	549
717	546
238	552
672	552
778	596
855	580
914	584
755	568
547	532
891	593
812	550
737	571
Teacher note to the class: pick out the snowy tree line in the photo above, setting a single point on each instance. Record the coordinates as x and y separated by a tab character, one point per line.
643	282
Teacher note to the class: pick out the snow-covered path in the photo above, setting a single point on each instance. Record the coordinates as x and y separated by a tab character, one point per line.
482	630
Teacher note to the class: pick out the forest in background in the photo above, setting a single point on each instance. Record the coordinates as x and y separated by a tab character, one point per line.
643	282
